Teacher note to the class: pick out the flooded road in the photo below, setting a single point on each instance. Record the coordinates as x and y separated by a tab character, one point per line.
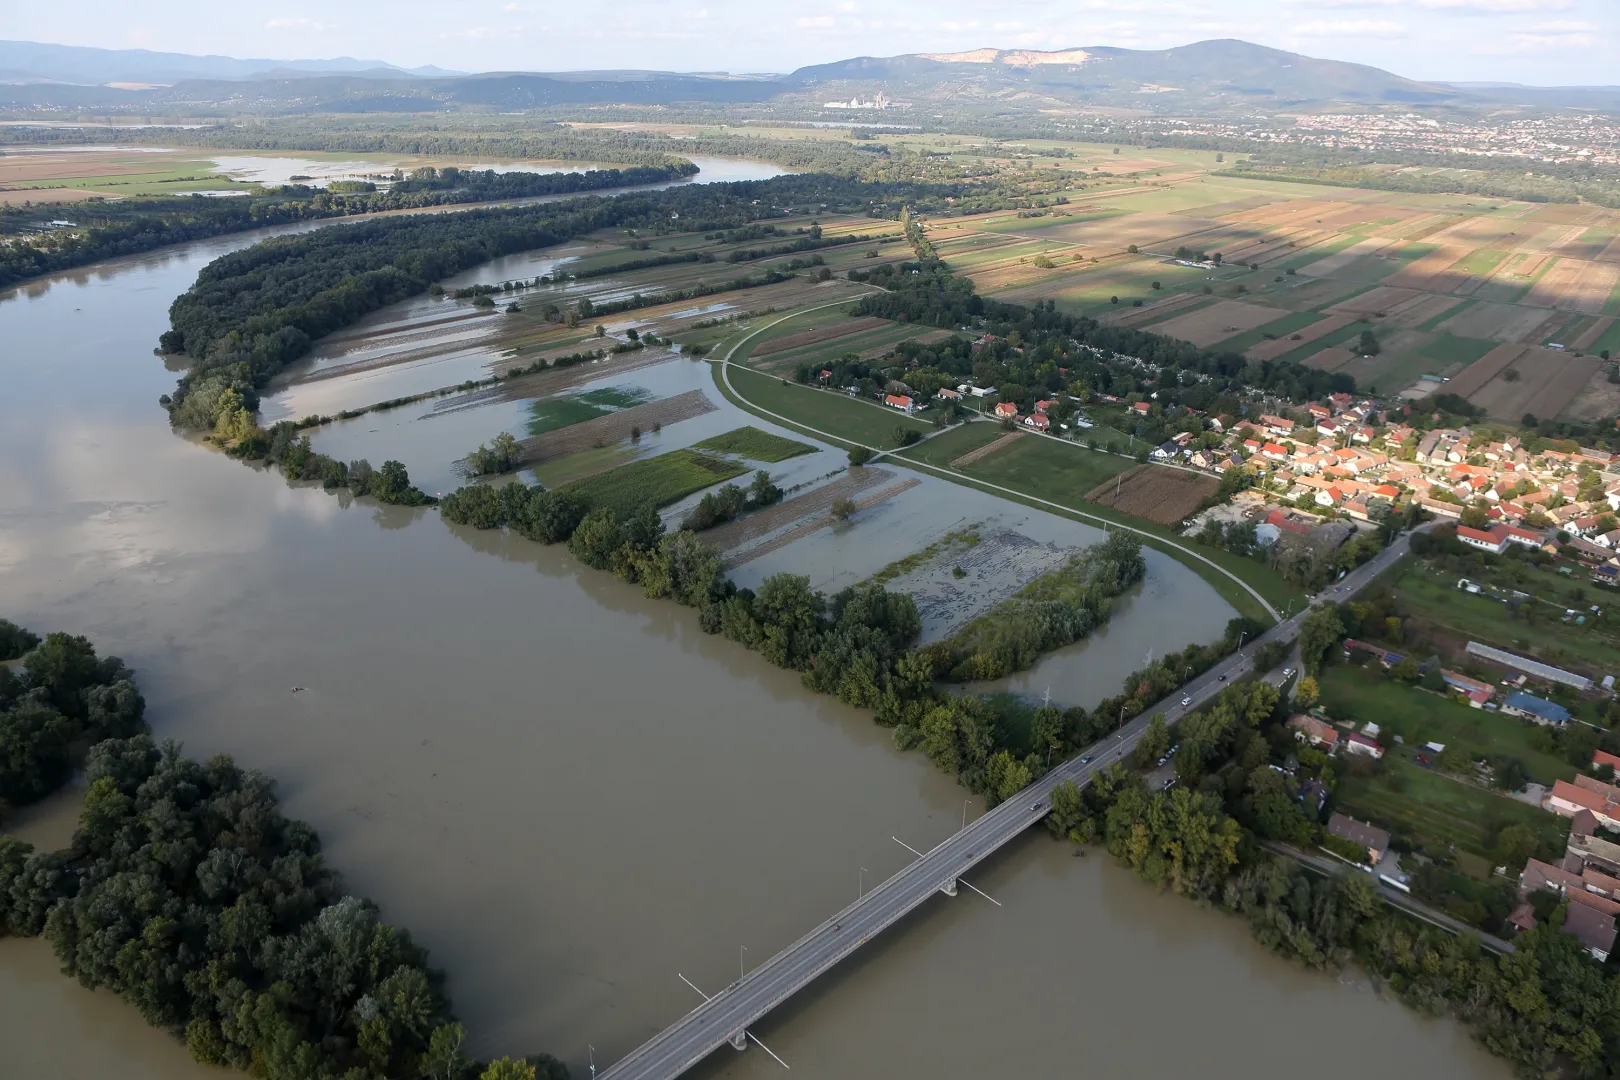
567	792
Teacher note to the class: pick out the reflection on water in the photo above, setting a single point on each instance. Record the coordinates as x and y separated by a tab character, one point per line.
566	791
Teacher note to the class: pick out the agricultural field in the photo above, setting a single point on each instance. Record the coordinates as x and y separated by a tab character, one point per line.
1159	494
1440	279
657	480
755	445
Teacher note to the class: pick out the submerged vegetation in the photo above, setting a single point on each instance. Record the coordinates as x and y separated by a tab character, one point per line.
1056	609
187	893
756	445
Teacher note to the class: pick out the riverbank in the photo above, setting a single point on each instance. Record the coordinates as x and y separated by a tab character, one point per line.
444	671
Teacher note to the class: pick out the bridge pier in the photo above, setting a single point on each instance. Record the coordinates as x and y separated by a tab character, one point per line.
739	1041
949	888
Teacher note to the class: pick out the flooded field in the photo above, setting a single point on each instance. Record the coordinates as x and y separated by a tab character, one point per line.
566	791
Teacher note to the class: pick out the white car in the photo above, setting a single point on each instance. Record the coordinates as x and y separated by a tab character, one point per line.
1186	701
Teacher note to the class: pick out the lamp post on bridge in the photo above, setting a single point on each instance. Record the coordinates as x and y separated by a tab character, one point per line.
740	970
862	894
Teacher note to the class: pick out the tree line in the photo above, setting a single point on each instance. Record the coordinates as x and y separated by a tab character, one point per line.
112	229
859	645
187	893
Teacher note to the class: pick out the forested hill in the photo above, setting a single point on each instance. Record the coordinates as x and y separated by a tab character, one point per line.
108	230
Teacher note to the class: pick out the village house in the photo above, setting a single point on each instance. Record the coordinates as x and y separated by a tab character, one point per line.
1567	799
1357	743
1530	707
1277	425
945	393
1038	421
1361	834
1308	729
1006	410
902	402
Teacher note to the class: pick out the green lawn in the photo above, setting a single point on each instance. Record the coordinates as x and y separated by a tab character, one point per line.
659	480
947	447
1419	717
1436	599
752	443
1481	262
830	412
1436	811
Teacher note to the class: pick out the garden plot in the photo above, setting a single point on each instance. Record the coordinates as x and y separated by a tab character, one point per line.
1220	320
1593	330
1158	494
1382	301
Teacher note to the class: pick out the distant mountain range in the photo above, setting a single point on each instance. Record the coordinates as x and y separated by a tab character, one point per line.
36	62
1208	77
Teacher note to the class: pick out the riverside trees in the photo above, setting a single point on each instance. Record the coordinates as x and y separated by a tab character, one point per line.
187	893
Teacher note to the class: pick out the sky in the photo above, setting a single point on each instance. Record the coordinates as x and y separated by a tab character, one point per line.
1545	42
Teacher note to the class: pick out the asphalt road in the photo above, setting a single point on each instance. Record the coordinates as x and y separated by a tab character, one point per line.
728	1013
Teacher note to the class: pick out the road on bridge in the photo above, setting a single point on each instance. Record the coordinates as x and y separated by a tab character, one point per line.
726	1016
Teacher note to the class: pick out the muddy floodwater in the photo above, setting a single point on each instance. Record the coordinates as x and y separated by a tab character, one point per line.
570	794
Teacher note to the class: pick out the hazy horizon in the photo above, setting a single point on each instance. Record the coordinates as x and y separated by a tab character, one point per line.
1545	42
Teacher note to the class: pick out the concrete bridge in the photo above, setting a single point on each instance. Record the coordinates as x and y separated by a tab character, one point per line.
725	1017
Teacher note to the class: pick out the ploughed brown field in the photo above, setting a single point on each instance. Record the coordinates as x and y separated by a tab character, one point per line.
1163	496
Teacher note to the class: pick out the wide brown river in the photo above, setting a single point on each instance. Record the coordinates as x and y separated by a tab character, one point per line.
569	793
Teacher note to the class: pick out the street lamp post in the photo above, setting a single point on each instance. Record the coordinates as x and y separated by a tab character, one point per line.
740	969
861	895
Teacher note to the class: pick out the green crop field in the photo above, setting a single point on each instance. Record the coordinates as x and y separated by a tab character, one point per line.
657	480
1277	328
756	445
1049	469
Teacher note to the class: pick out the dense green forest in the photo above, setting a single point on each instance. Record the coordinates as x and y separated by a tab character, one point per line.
61	701
187	893
108	229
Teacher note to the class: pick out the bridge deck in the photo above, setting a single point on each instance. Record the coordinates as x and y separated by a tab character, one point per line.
709	1026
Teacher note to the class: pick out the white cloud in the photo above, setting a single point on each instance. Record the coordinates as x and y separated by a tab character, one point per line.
814	22
1349	28
294	24
700	13
1495	7
1340	5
